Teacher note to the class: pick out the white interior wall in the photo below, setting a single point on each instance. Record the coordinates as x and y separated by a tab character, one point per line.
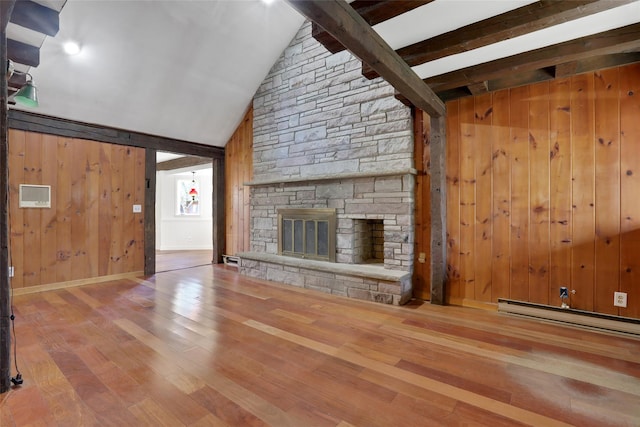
176	232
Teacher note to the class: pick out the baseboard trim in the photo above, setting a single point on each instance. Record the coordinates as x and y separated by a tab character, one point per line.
75	283
600	321
470	303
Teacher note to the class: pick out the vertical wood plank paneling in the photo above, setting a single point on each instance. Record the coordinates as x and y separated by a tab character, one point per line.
560	211
31	216
501	238
139	178
483	219
48	222
519	157
16	177
64	210
238	170
116	253
630	188
453	200
65	242
236	216
231	189
79	226
467	198
247	176
104	230
565	205
607	190
539	193
93	207
128	217
422	270
583	192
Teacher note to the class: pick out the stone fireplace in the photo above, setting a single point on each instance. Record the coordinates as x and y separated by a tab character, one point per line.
328	140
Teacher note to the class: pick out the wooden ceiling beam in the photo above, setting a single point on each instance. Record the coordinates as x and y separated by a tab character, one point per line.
565	69
521	79
344	23
23	53
183	162
17	81
373	12
452	94
6	10
479	88
535	76
596	63
524	20
32	122
36	17
620	40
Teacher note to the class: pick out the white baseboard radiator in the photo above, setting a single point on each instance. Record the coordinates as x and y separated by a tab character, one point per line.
570	316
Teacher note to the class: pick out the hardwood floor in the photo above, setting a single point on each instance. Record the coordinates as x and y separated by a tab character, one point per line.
208	347
177	260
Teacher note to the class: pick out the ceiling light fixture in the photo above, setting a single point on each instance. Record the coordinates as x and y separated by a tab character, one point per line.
28	94
193	192
71	48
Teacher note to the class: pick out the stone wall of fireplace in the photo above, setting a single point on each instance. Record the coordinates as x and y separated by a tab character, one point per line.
326	137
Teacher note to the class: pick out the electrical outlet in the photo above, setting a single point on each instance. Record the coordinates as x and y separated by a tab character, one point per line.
620	299
11	271
137	208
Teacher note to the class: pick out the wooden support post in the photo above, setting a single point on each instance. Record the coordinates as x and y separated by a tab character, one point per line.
6	7
438	210
150	212
218	211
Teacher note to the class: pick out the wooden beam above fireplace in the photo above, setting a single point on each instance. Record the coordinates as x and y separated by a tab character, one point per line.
347	26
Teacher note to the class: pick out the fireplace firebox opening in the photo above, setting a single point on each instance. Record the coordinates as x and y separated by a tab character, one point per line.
368	246
307	233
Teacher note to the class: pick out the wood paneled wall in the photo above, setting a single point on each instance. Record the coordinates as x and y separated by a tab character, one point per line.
238	170
543	191
90	230
421	280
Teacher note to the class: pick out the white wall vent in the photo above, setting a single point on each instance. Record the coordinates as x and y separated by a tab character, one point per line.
35	196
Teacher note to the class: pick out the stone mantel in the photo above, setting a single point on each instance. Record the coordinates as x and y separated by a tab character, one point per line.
332	177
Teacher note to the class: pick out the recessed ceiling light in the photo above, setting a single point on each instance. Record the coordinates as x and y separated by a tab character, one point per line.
267	2
71	48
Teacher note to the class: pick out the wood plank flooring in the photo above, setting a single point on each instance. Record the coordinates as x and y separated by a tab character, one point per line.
177	260
208	347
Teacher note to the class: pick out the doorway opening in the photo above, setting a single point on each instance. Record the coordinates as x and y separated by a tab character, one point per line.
184	214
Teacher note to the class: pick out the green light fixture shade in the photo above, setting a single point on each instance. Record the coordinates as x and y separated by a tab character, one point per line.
27	95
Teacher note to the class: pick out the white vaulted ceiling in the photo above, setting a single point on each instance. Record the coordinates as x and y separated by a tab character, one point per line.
180	69
189	69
